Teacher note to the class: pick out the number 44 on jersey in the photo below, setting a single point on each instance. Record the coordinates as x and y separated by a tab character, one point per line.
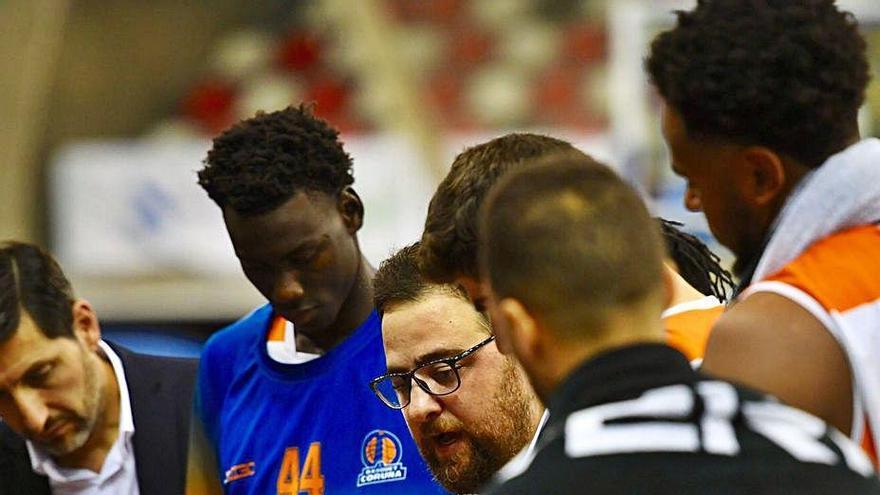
293	481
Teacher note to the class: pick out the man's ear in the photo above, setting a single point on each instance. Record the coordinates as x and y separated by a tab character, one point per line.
764	177
522	333
351	208
85	324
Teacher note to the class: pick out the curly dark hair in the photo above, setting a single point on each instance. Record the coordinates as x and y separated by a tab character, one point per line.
260	163
696	264
31	281
449	242
788	75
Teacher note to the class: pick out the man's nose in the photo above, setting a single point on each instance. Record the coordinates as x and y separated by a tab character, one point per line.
422	405
288	288
32	411
692	200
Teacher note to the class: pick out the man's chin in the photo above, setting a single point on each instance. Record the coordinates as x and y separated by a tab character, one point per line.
309	322
453	467
66	445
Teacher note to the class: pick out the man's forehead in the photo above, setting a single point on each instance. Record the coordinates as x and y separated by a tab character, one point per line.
27	346
280	246
474	287
303	210
277	237
671	123
436	323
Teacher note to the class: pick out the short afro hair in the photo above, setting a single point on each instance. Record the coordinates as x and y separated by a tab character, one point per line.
260	163
788	75
449	242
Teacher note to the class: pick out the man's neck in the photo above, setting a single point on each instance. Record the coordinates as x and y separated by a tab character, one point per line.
755	240
94	452
622	329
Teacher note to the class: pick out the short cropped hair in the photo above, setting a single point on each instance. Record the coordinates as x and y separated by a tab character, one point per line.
449	241
32	281
788	75
262	162
571	241
399	281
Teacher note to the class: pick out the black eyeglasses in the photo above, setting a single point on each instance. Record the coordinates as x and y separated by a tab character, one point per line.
437	377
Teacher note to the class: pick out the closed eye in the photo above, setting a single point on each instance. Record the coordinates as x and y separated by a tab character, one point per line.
39	375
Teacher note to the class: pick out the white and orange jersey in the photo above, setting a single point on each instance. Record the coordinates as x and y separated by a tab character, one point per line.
837	280
688	325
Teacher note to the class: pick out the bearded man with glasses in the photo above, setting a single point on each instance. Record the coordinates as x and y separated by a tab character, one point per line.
469	408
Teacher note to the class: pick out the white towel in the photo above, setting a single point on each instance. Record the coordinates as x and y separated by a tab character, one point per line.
844	192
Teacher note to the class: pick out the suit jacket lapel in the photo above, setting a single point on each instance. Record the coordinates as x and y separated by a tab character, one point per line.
160	391
16	475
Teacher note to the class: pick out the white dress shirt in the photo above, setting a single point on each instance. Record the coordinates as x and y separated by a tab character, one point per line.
118	475
521	461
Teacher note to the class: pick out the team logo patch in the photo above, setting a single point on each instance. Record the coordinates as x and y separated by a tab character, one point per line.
239	471
381	454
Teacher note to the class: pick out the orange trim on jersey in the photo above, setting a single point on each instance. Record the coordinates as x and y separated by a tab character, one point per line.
276	330
840	271
688	331
868	443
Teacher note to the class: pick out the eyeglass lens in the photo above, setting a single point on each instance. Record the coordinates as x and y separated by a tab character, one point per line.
438	378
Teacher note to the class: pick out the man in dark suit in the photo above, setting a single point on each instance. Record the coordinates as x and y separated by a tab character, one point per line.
80	415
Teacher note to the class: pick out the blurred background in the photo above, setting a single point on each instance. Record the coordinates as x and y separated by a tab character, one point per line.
108	107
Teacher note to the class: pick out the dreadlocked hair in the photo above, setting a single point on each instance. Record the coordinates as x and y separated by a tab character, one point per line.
262	162
698	265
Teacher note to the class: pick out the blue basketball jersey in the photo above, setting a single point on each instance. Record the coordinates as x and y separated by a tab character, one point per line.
312	428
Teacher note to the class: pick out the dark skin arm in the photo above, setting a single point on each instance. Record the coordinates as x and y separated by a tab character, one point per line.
772	344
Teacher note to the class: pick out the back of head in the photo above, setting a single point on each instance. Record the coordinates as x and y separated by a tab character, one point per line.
572	242
32	281
787	75
449	242
260	163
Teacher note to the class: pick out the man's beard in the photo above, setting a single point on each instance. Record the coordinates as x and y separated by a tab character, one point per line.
83	426
505	430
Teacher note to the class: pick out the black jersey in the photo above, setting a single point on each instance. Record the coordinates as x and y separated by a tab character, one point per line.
639	420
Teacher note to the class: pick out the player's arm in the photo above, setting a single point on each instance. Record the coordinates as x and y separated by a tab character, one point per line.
202	477
772	344
202	474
